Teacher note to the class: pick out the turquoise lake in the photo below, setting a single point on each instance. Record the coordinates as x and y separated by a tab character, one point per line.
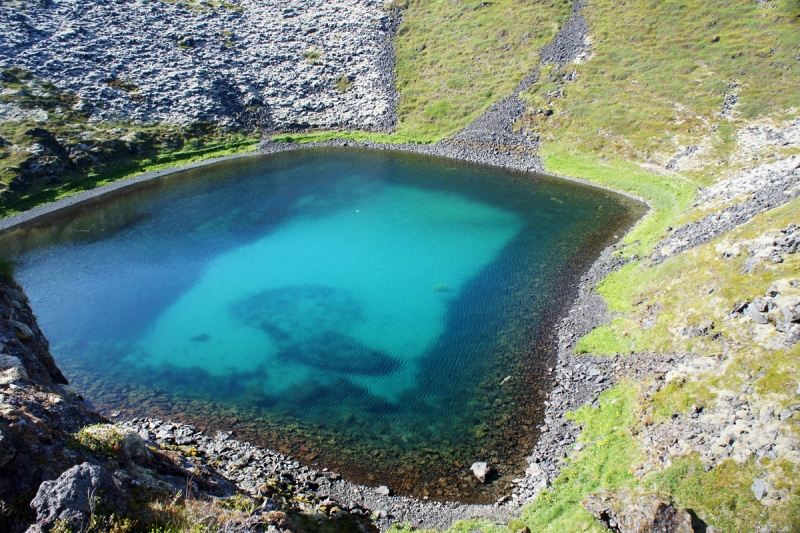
384	314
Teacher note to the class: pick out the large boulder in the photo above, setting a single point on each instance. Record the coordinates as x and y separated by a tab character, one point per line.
626	512
481	470
75	496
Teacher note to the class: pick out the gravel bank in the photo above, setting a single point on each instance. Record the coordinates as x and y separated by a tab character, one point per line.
580	379
251	467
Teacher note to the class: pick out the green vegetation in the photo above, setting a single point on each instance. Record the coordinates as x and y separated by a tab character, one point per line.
604	463
123	85
343	83
6	270
101	439
124	169
312	55
359	136
693	287
454	58
204	6
668	196
723	493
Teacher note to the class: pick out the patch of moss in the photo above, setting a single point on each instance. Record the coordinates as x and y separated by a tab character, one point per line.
603	340
122	85
313	55
343	83
106	443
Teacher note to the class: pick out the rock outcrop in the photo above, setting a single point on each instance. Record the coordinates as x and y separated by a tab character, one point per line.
72	498
37	407
625	512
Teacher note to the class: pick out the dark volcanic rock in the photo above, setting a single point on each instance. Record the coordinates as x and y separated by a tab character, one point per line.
74	497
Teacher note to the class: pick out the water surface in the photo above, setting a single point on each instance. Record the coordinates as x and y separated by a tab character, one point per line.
385	314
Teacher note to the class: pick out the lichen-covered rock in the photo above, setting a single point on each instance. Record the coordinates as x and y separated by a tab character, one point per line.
119	443
626	512
75	496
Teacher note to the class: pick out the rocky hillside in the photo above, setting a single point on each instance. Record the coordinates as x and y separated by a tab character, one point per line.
93	91
676	397
271	65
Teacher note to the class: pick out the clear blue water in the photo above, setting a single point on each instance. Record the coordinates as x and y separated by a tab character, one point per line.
344	305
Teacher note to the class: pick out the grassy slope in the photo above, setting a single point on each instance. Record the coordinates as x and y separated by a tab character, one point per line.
657	81
655	85
454	58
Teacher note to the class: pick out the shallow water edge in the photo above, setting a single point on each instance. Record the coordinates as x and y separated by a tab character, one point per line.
447	150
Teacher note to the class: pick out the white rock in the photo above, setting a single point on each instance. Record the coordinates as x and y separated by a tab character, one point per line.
383	490
481	470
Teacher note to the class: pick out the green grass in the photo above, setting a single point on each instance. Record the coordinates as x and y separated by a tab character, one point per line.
690	288
358	136
604	463
603	340
657	81
668	196
6	270
454	58
312	55
722	495
343	84
204	6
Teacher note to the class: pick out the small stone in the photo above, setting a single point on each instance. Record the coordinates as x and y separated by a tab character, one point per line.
383	490
739	306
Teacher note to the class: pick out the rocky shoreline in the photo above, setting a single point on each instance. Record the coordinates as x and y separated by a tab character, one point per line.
251	468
